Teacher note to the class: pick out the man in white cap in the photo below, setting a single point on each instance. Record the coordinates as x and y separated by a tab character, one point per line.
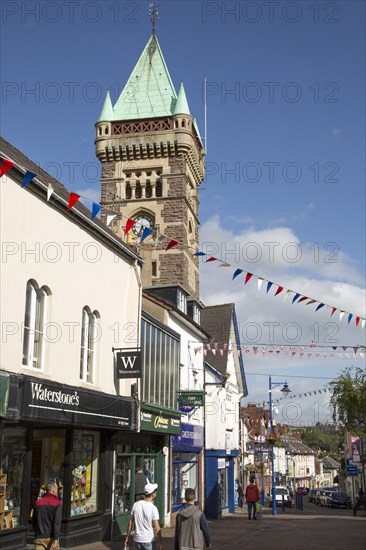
145	517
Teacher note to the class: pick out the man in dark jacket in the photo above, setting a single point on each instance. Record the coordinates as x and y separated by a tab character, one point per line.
47	519
191	529
252	497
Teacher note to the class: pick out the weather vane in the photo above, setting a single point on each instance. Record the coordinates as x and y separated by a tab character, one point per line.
154	15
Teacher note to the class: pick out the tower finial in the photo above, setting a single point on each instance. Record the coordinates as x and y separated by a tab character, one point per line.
154	15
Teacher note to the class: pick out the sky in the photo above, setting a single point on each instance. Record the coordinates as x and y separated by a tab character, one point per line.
284	193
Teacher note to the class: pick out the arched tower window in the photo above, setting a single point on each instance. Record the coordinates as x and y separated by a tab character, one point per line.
128	190
35	318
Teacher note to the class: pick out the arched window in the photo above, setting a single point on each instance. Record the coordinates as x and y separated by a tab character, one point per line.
190	228
159	188
34	322
148	189
128	190
183	123
106	130
89	337
100	131
138	190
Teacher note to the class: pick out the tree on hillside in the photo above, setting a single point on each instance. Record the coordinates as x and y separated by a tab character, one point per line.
348	400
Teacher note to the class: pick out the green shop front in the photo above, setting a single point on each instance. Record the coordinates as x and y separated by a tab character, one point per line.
148	451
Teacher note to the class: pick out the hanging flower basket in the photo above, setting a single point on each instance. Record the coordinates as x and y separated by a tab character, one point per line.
272	440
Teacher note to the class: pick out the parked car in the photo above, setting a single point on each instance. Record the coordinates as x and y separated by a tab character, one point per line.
312	495
302	491
324	498
281	493
319	494
336	500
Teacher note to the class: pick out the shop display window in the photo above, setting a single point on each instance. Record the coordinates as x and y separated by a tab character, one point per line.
13	452
84	490
185	475
127	470
48	456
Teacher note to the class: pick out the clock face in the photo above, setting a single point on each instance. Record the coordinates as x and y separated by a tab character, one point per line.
142	221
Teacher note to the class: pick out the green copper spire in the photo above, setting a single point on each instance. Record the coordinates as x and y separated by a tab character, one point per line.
107	112
149	92
181	106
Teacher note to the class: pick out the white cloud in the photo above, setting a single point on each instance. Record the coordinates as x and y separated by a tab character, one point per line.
266	319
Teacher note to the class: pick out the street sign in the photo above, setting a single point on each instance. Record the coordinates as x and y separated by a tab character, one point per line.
351	470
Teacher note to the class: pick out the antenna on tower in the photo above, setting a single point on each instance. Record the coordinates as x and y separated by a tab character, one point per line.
205	108
154	15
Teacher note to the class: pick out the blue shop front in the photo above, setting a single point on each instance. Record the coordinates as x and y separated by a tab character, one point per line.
187	463
219	481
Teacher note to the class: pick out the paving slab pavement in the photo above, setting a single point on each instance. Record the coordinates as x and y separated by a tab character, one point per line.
288	531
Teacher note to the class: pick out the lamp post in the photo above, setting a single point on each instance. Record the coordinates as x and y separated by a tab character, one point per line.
285	390
262	469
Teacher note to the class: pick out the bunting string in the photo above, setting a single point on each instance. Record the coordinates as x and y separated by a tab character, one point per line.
296	297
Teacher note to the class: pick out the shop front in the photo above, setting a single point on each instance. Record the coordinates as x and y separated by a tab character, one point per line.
63	433
187	463
146	454
220	482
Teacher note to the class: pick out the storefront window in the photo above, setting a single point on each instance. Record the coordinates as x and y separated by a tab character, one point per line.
131	475
85	473
48	455
185	475
12	458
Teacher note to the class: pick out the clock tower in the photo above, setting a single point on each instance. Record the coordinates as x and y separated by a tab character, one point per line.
152	160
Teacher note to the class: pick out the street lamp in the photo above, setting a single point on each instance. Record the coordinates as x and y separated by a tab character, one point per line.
285	390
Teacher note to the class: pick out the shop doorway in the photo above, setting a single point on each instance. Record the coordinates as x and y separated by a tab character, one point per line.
48	455
131	472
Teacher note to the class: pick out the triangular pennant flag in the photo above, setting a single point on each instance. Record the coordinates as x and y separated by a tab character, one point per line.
341	313
334	309
350	317
199	254
237	272
357	321
334	347
248	277
309	355
363	322
210	259
255	350
279	290
301	354
172	243
288	293
344	348
50	191
221	352
146	232
260	281
129	225
6	164
208	346
224	265
269	284
110	218
205	352
319	307
356	349
302	299
310	302
95	209
73	199
296	297
28	176
317	355
213	351
293	353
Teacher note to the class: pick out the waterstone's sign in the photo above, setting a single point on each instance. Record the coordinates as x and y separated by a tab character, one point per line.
43	401
128	364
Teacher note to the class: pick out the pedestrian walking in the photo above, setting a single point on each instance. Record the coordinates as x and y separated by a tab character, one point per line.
47	519
145	518
240	496
252	497
191	529
361	500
